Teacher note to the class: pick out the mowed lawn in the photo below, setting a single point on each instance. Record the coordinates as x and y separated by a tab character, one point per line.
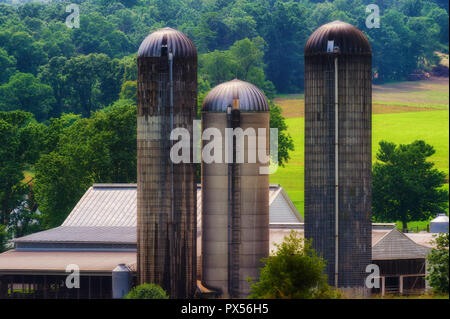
391	124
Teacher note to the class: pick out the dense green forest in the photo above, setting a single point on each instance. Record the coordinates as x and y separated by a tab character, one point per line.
82	69
68	95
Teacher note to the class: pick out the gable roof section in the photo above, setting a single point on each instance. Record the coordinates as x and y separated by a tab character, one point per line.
105	205
106	214
281	209
396	245
114	205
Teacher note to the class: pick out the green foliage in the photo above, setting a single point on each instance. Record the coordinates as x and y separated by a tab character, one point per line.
243	60
34	33
93	80
20	138
438	264
218	66
25	92
7	65
285	141
129	91
406	187
98	35
294	272
3	238
285	30
28	53
147	291
99	149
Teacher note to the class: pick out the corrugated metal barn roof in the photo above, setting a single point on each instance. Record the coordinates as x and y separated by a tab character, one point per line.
105	205
70	234
348	38
107	214
177	42
114	205
251	99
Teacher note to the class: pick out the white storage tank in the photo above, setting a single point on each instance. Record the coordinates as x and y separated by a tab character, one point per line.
439	224
121	281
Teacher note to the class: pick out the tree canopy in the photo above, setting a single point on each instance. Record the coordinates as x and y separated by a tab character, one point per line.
259	41
406	187
100	149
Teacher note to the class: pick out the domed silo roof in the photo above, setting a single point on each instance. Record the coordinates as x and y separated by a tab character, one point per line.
177	42
348	38
251	99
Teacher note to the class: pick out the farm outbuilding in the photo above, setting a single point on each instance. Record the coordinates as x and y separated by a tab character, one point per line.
98	235
402	263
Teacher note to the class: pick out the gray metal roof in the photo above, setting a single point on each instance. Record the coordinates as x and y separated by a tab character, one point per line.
68	234
107	214
396	245
281	209
114	205
105	205
177	42
251	99
348	38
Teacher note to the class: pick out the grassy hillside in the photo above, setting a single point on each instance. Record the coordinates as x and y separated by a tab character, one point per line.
391	123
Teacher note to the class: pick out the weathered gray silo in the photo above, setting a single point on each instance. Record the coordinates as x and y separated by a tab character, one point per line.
338	106
439	224
166	193
235	196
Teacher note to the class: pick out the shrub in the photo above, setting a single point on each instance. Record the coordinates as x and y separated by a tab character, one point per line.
147	291
438	264
294	272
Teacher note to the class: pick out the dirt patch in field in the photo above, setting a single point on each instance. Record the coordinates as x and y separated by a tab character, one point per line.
291	108
434	90
383	109
296	108
404	96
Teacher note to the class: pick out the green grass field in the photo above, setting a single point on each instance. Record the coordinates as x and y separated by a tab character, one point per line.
401	128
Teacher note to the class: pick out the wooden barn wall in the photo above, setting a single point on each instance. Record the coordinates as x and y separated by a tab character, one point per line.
401	267
355	111
166	244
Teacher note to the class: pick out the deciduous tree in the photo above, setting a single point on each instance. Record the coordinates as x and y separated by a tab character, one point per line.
406	187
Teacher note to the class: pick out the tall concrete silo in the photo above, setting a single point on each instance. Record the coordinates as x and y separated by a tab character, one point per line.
235	196
338	106
166	193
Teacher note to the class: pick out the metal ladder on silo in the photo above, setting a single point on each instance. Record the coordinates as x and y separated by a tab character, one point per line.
235	231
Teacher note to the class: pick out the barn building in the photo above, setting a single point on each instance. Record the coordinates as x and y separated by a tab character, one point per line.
401	260
98	235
